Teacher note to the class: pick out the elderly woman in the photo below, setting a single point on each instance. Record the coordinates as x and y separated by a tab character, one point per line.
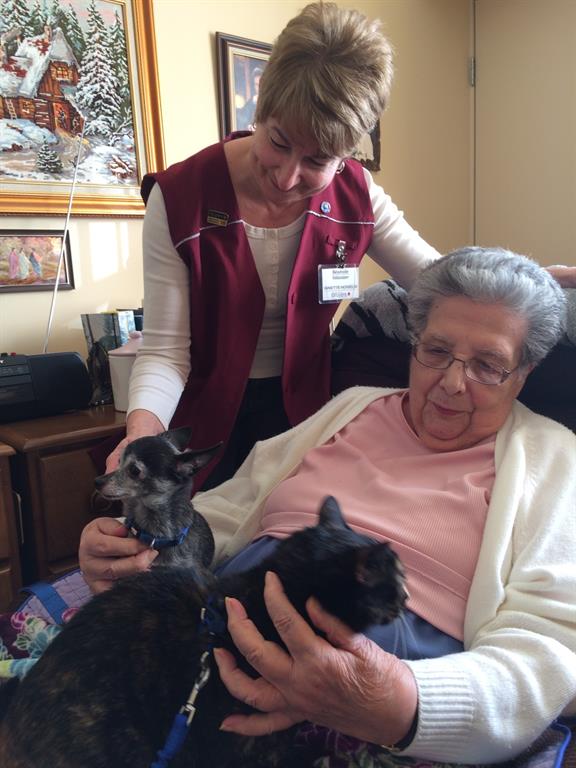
477	495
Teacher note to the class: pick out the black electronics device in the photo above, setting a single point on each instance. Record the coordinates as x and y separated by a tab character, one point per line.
42	385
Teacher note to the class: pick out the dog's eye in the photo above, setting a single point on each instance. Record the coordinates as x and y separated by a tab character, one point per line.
134	471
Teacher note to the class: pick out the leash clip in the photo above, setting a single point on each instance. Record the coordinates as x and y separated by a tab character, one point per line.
201	680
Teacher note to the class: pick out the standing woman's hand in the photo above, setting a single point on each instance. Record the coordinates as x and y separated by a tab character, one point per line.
140	423
344	682
565	276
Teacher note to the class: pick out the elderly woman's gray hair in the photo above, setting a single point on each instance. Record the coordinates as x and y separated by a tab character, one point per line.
328	76
494	276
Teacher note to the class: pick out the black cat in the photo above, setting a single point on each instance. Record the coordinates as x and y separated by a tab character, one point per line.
105	692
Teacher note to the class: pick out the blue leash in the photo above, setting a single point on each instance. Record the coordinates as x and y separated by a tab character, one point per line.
213	622
183	719
567	737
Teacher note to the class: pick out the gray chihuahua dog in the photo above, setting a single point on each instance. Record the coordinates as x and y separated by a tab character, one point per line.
154	482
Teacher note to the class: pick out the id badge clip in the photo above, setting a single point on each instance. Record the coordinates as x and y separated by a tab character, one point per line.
337	283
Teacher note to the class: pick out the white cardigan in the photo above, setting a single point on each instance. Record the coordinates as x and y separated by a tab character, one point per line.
518	670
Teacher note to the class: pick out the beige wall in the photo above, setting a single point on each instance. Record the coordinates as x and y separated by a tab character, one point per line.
107	275
426	145
526	127
426	132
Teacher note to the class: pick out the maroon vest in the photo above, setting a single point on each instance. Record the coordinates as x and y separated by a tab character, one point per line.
226	296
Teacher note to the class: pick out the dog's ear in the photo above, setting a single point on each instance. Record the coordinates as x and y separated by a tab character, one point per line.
189	462
179	437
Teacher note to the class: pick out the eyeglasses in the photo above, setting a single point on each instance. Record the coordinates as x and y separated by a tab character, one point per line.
478	370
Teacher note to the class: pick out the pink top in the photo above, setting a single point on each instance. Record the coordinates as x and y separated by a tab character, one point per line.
431	506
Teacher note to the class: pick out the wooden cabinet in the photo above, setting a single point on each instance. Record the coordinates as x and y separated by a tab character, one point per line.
10	576
53	475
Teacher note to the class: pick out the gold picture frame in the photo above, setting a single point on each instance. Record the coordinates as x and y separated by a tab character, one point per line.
122	198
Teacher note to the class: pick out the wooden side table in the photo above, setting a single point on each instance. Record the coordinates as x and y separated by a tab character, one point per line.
10	574
53	474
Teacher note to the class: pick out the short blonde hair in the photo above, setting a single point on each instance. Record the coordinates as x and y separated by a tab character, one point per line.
329	75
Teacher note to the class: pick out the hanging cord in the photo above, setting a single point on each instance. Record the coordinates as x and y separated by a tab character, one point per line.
63	247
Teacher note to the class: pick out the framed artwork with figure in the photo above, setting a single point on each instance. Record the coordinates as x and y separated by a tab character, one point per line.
79	106
29	260
240	66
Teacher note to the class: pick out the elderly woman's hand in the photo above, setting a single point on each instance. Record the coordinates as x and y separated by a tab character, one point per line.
106	553
344	682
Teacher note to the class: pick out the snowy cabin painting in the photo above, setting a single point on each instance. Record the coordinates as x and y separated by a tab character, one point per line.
75	67
37	82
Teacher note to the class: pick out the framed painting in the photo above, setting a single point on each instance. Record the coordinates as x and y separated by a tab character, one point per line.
79	106
29	260
368	149
240	66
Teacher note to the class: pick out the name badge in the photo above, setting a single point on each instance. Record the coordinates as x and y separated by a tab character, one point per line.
337	283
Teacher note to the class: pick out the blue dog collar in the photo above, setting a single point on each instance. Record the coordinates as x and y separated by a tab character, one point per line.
155	542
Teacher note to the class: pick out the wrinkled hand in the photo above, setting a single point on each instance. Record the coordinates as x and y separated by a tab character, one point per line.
106	553
566	276
344	682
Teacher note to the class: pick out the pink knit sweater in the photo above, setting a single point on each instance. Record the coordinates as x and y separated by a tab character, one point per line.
431	506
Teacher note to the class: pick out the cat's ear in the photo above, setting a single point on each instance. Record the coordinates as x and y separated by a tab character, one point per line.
189	462
330	515
179	437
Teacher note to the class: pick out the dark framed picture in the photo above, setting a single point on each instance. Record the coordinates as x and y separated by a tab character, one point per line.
79	100
368	149
240	66
29	260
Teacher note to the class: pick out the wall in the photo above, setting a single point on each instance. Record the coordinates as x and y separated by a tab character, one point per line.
426	145
526	123
107	275
425	133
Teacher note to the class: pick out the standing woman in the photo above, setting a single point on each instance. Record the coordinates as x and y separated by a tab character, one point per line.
236	342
